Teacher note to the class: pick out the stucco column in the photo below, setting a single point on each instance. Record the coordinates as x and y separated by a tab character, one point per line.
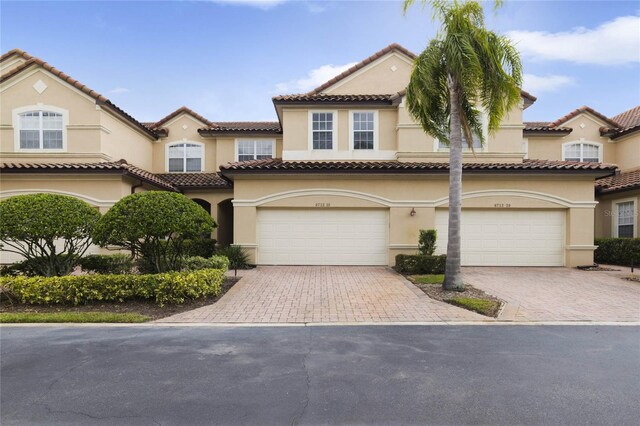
244	230
580	237
404	229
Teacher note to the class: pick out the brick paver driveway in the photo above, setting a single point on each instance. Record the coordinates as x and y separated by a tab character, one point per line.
559	294
300	294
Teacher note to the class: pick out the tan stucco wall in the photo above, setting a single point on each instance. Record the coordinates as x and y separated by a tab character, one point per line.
213	197
605	211
379	78
123	142
628	152
425	193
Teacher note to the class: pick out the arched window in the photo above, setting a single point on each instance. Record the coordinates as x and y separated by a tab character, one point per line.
41	130
185	157
582	151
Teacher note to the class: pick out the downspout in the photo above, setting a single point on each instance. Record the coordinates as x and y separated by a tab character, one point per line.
133	188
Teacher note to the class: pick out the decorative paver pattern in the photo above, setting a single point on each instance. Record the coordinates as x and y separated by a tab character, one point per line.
559	294
322	294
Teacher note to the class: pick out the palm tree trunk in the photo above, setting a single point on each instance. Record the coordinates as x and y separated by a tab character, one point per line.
453	273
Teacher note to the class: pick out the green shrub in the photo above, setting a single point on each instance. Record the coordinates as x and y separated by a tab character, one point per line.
169	287
29	267
196	263
427	241
51	231
238	258
154	226
420	264
618	251
107	263
203	247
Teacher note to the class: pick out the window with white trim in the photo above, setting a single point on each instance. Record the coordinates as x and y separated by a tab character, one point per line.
626	218
185	157
41	130
363	130
582	152
322	130
477	143
258	149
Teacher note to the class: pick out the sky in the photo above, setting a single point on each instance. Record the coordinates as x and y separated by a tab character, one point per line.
226	59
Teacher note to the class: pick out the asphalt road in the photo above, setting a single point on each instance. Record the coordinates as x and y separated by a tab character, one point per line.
320	375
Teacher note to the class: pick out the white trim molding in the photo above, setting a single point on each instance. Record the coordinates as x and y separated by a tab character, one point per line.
181	142
96	202
334	129
326	154
561	202
15	117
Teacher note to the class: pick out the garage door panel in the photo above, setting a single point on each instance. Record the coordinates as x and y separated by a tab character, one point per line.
507	237
322	237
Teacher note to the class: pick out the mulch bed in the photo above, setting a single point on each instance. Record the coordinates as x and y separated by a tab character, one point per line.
596	268
436	292
143	307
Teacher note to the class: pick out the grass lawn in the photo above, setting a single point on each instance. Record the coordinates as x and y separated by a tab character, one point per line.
24	317
428	279
484	307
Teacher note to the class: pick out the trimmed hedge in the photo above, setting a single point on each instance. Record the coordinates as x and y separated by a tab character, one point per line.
618	251
107	263
196	263
169	287
420	264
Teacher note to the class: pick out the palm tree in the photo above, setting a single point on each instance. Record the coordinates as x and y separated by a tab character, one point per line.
465	72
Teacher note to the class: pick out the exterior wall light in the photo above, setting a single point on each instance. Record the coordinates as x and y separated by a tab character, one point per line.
413	212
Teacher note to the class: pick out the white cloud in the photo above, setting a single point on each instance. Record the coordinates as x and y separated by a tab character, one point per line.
313	79
615	42
548	83
260	4
119	90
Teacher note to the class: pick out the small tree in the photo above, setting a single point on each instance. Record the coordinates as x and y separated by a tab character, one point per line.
50	231
154	225
427	241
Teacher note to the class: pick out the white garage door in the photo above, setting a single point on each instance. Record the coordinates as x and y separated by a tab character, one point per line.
322	237
507	237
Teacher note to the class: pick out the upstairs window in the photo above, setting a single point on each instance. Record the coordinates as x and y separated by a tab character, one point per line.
363	127
626	217
322	130
477	144
582	152
185	157
255	149
41	130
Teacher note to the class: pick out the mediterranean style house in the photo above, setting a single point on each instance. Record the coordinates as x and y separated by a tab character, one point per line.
344	177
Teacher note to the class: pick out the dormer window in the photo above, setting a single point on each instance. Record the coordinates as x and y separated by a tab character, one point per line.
323	129
40	130
185	157
588	152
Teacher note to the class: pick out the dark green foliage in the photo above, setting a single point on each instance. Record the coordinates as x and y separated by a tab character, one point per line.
170	287
50	231
427	241
420	264
154	226
107	263
195	263
203	247
238	258
618	251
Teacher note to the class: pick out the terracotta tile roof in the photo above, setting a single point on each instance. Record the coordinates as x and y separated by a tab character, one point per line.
278	165
100	99
196	180
394	47
329	98
104	167
243	126
181	110
629	121
528	95
543	126
579	111
620	182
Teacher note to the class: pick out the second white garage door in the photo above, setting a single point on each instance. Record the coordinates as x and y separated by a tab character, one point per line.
507	237
322	237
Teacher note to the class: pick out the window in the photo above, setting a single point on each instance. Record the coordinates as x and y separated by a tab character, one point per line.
41	130
255	149
322	130
582	152
626	219
363	127
185	157
477	144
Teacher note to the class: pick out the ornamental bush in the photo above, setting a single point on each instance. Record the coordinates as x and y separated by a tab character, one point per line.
427	241
203	247
170	287
195	263
50	231
238	258
618	251
107	263
154	225
420	264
